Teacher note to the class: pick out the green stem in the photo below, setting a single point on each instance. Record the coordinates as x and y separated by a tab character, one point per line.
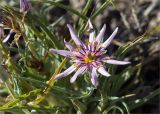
84	11
103	6
68	8
50	85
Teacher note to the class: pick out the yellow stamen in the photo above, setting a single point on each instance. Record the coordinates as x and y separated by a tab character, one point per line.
89	58
92	54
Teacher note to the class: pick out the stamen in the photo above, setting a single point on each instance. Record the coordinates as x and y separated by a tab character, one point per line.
87	59
92	54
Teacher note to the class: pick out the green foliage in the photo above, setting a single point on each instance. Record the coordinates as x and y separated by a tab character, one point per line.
30	83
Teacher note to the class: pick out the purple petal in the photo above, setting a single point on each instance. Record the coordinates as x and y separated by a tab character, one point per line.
74	35
94	64
61	52
109	40
101	34
82	51
103	71
94	47
91	35
78	72
77	54
68	45
66	72
77	61
94	78
24	6
116	62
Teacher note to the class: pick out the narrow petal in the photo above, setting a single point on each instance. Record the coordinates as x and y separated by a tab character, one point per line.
66	72
103	71
74	35
94	78
78	72
116	62
109	40
91	30
77	54
92	47
68	45
61	52
77	61
101	34
24	6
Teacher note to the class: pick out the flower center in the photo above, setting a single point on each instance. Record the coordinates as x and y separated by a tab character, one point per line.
90	58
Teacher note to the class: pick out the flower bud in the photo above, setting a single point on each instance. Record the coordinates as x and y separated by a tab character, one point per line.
24	6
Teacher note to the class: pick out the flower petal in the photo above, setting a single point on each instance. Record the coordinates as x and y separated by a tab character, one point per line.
68	45
101	34
116	62
94	78
109	40
103	71
24	6
78	72
74	35
66	72
77	54
77	61
61	52
91	29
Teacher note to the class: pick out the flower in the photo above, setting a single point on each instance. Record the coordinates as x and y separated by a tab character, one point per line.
24	6
88	56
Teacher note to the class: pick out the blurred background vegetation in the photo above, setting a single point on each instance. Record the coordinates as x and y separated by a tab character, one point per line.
27	69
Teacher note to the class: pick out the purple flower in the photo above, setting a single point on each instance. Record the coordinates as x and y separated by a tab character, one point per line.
24	6
88	56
